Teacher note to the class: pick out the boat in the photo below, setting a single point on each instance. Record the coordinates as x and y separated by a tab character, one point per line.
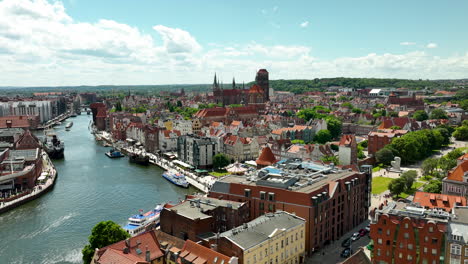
139	158
112	153
176	178
73	114
88	112
68	126
53	146
140	223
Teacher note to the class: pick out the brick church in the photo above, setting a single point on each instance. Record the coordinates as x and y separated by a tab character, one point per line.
256	94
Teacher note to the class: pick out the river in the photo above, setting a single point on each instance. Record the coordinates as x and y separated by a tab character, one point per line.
90	188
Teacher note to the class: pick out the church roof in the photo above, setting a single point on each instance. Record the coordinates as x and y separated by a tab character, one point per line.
266	158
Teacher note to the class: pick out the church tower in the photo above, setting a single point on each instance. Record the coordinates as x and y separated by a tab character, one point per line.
262	80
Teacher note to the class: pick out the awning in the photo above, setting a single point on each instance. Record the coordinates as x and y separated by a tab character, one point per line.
183	164
200	171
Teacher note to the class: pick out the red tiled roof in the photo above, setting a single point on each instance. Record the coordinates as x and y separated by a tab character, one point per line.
457	173
347	140
445	201
147	241
27	141
255	89
266	158
112	256
198	253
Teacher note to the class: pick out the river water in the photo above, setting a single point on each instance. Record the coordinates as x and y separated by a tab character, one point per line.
90	188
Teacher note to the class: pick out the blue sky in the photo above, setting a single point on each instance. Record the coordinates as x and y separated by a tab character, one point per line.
75	42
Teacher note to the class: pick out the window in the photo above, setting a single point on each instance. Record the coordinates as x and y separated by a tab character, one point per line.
271	196
426	239
406	225
388	232
410	257
262	195
410	246
379	231
282	243
378	252
262	206
434	251
434	241
379	241
466	251
247	192
425	249
271	207
431	229
400	255
406	235
455	249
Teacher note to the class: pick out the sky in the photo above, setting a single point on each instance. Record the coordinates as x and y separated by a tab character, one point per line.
121	42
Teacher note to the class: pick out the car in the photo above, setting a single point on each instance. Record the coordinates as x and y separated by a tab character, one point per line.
355	236
346	243
368	228
346	253
362	232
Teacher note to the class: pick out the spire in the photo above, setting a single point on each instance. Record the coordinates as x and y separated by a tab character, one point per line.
233	83
214	83
243	85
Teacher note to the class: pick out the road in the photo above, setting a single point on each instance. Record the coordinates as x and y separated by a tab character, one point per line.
331	253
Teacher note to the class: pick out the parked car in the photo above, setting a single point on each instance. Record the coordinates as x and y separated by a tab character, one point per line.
362	232
346	253
368	228
355	236
346	243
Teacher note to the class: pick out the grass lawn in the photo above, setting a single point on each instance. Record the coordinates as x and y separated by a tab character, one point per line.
219	173
376	168
380	184
416	185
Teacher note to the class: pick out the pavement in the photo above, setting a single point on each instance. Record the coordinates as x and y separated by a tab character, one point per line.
331	253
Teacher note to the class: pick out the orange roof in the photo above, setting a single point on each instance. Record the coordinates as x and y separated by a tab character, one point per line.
435	200
463	157
146	241
255	89
457	173
197	253
347	140
266	158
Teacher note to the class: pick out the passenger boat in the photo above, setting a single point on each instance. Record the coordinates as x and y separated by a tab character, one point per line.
68	126
114	154
53	146
176	178
139	158
140	223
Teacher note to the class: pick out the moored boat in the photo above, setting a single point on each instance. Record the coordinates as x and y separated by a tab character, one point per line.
68	126
176	178
114	154
139	158
140	223
53	146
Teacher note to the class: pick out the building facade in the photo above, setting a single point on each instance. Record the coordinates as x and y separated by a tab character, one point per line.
197	151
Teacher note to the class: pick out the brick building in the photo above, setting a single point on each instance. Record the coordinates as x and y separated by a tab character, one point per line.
198	216
457	237
379	139
456	182
332	201
195	253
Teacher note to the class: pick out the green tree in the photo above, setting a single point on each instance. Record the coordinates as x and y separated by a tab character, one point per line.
179	104
420	115
409	177
333	159
397	186
391	114
384	156
323	136
220	161
461	133
434	186
395	127
429	166
446	164
297	141
334	125
438	114
118	107
103	234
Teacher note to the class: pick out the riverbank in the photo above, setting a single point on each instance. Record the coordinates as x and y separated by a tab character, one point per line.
202	183
46	184
56	121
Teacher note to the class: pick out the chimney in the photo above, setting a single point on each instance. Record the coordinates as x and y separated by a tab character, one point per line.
148	254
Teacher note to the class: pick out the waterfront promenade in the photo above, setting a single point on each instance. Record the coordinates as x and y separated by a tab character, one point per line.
46	184
202	183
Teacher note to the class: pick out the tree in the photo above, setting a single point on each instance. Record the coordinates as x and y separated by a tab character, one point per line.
446	164
323	136
220	161
297	141
179	104
384	156
409	177
438	114
333	159
461	133
397	186
118	107
391	114
434	186
395	127
429	166
103	234
334	125
420	115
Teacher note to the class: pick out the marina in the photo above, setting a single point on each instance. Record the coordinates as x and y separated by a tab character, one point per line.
90	188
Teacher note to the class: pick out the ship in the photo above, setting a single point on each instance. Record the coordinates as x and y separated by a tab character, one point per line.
139	158
176	178
114	154
53	146
140	223
68	126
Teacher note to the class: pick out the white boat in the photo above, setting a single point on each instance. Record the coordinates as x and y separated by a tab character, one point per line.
139	223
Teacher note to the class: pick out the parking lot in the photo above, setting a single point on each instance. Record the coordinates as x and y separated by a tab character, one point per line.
331	253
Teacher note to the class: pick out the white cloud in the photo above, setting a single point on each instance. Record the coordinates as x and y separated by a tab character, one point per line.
40	44
304	24
406	43
431	46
